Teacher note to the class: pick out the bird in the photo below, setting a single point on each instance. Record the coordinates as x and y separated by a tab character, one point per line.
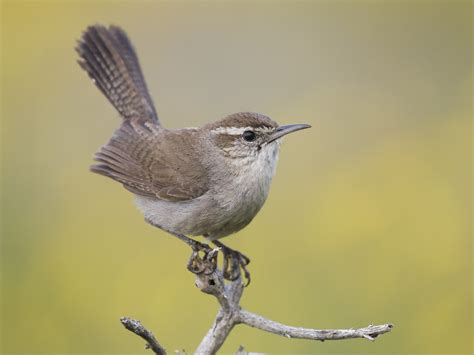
209	181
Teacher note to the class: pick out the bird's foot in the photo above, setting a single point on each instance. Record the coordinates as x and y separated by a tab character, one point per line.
234	263
203	259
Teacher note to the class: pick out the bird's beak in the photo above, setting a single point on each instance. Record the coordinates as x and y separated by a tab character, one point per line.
283	130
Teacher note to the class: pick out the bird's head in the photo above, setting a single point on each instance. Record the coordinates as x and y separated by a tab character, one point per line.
249	135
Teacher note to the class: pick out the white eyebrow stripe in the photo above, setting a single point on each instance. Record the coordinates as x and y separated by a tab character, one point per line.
240	130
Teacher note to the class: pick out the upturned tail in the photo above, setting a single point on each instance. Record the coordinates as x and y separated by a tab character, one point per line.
107	55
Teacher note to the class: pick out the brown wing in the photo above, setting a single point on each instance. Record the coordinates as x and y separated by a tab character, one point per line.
153	162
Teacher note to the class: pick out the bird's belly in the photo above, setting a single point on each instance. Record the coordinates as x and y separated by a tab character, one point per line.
206	215
238	209
225	209
193	217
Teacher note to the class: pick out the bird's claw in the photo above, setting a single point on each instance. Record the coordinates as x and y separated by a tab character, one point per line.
234	263
203	260
207	263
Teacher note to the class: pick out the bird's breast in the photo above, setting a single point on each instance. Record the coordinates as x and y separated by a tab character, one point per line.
247	187
235	196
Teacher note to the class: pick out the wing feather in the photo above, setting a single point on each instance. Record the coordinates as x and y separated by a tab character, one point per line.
143	157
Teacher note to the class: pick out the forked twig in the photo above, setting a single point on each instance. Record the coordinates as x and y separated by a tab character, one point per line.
231	314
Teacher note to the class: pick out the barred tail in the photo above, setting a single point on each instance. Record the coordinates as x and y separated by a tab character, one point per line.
107	55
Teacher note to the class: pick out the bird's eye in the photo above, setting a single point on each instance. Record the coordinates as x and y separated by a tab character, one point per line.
249	136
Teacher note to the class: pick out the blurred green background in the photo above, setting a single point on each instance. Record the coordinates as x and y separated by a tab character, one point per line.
369	217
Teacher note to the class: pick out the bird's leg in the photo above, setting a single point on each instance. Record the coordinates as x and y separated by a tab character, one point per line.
233	262
197	264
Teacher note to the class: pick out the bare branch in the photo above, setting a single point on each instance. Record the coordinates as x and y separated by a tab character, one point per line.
259	322
218	333
228	297
230	314
136	327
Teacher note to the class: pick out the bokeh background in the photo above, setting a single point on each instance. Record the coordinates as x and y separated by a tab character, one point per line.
369	217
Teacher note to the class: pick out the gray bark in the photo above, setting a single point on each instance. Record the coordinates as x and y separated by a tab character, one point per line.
231	314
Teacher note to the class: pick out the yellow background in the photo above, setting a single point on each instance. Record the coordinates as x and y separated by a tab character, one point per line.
369	216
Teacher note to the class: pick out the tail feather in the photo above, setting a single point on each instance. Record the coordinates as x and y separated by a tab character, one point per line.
108	57
131	61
